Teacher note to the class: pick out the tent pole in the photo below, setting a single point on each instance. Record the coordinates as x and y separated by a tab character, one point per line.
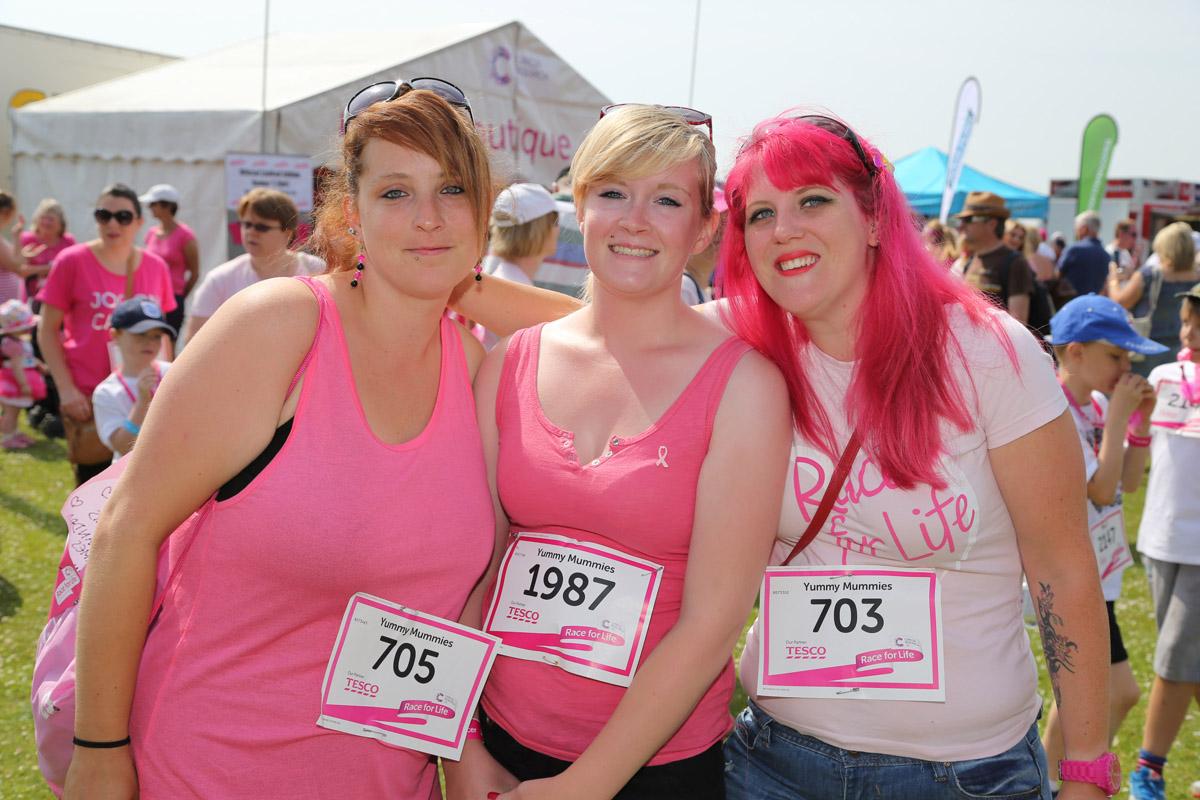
263	116
695	52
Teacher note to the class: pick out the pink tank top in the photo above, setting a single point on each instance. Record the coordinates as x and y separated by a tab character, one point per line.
228	692
640	500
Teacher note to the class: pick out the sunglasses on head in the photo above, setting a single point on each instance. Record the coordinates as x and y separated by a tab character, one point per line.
841	130
261	227
123	217
386	91
690	115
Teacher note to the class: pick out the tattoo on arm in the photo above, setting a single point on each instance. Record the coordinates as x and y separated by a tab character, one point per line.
1059	650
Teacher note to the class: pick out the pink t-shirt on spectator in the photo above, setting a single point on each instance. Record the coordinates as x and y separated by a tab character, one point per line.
86	293
170	249
963	531
34	283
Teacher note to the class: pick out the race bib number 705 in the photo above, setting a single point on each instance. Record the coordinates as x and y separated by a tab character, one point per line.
404	677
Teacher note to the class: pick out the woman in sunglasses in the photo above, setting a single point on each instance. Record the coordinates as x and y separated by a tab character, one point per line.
919	682
85	284
267	220
316	440
636	447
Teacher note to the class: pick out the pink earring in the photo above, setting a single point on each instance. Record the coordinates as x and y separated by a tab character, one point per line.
358	271
479	272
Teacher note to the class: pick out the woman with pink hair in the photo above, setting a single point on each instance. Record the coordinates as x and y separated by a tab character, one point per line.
902	659
933	450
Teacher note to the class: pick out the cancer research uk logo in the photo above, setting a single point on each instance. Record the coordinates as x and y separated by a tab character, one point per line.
527	66
502	65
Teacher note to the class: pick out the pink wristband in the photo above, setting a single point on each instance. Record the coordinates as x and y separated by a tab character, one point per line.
1133	440
473	731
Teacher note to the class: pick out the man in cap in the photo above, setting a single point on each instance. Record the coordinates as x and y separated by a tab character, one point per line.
993	268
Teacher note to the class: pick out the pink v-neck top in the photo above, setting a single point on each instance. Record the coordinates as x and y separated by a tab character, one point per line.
229	688
639	499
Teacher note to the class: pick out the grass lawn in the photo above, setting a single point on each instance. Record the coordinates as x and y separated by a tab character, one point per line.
33	485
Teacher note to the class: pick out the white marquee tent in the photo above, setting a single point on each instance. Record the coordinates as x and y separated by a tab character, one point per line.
176	123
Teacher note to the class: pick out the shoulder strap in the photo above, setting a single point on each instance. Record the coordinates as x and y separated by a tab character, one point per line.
836	482
317	290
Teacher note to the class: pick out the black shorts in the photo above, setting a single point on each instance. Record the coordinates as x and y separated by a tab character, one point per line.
701	777
175	316
1116	645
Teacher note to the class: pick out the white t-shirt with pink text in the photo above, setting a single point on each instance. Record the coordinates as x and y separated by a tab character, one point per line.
964	531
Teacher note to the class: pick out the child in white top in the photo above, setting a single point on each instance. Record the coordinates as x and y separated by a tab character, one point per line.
1092	341
120	402
1169	541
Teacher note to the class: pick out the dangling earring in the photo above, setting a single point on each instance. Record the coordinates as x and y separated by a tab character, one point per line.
358	271
479	272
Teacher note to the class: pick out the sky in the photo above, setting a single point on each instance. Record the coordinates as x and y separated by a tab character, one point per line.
891	68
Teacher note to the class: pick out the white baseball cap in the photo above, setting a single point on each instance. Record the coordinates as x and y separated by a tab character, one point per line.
522	203
161	193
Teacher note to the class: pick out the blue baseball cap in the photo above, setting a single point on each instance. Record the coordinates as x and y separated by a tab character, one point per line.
1092	318
138	315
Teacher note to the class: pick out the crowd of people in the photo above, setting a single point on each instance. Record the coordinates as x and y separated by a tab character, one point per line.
868	412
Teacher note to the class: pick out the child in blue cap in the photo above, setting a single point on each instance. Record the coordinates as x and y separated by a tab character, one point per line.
1111	407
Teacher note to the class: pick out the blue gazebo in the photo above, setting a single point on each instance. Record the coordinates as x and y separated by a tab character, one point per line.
923	174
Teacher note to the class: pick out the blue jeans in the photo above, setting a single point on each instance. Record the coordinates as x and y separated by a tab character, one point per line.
766	760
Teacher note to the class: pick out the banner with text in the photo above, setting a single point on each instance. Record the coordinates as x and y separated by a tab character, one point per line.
966	114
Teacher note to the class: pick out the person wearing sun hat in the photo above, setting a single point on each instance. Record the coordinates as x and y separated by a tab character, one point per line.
21	380
523	233
993	268
173	242
1111	407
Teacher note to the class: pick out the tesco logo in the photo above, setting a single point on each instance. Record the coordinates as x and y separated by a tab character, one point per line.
806	651
362	687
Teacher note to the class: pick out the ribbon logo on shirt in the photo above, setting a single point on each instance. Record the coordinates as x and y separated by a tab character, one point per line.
662	457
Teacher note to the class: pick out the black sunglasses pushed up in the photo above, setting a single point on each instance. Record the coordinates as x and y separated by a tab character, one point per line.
104	216
386	91
843	131
690	115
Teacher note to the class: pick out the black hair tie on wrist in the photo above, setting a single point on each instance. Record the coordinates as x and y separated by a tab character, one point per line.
99	745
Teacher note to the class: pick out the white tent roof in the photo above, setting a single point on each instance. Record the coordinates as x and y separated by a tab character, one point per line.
201	108
176	123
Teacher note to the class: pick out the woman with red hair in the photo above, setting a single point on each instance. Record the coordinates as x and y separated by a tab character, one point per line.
965	465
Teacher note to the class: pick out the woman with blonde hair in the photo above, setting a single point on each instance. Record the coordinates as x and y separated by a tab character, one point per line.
316	440
523	234
641	435
1153	294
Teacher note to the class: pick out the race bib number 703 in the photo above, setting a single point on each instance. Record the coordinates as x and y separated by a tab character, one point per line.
851	632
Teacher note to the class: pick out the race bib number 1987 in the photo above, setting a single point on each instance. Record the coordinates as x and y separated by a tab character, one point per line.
577	605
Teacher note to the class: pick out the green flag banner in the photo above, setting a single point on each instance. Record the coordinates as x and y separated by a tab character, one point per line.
1099	140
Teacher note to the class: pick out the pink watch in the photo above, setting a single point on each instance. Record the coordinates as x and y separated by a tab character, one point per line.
1104	772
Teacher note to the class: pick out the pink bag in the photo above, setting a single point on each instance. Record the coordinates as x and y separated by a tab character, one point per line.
53	695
